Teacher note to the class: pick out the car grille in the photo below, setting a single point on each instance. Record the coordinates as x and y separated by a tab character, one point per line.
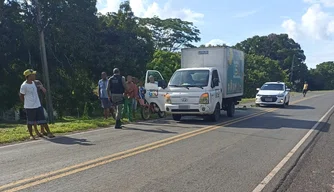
268	98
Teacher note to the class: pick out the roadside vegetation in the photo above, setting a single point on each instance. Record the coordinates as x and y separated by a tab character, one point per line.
88	43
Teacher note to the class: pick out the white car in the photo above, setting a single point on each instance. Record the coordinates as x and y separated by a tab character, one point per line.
273	93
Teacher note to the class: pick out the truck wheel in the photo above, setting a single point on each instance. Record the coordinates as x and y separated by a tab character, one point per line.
161	114
216	114
230	109
177	117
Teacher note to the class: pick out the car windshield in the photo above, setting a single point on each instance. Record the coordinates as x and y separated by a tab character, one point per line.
190	78
274	87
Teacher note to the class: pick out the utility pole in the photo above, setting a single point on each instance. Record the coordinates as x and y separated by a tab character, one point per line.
292	66
41	27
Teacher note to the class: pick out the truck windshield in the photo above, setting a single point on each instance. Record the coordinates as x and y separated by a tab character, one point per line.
276	87
190	78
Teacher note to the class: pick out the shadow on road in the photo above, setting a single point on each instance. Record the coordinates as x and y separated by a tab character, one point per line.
288	107
70	141
150	130
299	107
277	121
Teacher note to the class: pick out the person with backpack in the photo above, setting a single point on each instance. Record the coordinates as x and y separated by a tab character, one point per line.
115	89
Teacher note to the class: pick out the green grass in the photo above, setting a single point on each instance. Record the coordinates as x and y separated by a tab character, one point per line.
247	100
14	132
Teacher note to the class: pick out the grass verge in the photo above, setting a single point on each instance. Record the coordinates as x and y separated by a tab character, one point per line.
15	132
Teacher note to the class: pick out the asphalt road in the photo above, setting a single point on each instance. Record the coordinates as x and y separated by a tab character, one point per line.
314	171
192	155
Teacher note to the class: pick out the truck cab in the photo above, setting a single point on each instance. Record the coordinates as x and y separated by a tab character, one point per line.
195	91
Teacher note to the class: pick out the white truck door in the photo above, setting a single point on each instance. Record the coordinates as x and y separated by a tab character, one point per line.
216	85
155	88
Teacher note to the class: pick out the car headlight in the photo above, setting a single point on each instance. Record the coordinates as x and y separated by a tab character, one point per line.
204	99
168	99
280	95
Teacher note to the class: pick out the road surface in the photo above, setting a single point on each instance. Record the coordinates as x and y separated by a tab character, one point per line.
251	152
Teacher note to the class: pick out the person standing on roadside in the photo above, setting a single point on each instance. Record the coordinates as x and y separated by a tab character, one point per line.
129	97
103	95
32	104
41	91
115	89
305	88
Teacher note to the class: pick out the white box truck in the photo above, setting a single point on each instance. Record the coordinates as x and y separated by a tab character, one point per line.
210	80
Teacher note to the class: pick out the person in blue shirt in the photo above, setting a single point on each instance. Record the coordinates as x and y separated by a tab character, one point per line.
103	95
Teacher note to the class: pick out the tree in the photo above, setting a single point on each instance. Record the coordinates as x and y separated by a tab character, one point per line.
123	43
281	48
258	70
12	51
322	77
166	63
171	34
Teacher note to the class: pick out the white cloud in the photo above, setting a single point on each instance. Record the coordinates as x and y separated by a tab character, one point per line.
143	8
216	42
326	3
245	14
315	24
314	30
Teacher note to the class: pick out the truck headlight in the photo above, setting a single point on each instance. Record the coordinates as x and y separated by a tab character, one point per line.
168	99
204	99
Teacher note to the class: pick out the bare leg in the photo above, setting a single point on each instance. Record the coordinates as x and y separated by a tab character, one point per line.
106	113
46	127
30	131
36	131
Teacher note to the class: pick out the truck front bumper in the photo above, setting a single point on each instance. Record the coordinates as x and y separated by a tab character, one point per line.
274	100
189	109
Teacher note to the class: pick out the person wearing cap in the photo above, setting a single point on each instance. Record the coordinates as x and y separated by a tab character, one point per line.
115	89
32	103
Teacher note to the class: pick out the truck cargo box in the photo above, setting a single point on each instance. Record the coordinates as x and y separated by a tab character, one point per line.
228	61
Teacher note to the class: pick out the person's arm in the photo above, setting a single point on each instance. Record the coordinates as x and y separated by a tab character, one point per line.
40	86
22	93
99	94
109	88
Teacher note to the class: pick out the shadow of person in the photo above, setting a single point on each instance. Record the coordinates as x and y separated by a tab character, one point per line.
70	141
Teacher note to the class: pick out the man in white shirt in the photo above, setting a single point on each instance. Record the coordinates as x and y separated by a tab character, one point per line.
32	104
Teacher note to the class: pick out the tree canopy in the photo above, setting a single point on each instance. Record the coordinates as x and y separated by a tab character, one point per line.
81	43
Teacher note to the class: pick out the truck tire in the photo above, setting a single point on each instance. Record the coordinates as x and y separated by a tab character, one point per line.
216	114
177	117
230	109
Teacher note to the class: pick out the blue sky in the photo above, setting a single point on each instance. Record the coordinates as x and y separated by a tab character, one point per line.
309	22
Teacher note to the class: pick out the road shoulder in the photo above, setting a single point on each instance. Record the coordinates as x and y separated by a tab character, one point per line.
315	170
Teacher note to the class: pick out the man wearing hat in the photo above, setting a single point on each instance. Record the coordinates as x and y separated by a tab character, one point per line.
32	104
116	88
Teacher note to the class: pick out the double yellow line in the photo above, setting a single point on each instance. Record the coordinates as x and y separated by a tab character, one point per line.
43	178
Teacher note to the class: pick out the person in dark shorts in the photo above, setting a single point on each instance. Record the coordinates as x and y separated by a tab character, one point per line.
45	130
103	95
115	89
32	104
305	88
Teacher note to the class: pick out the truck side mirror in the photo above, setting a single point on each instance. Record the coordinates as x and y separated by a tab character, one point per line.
257	89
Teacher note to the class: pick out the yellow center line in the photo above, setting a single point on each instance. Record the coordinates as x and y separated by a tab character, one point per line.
128	153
